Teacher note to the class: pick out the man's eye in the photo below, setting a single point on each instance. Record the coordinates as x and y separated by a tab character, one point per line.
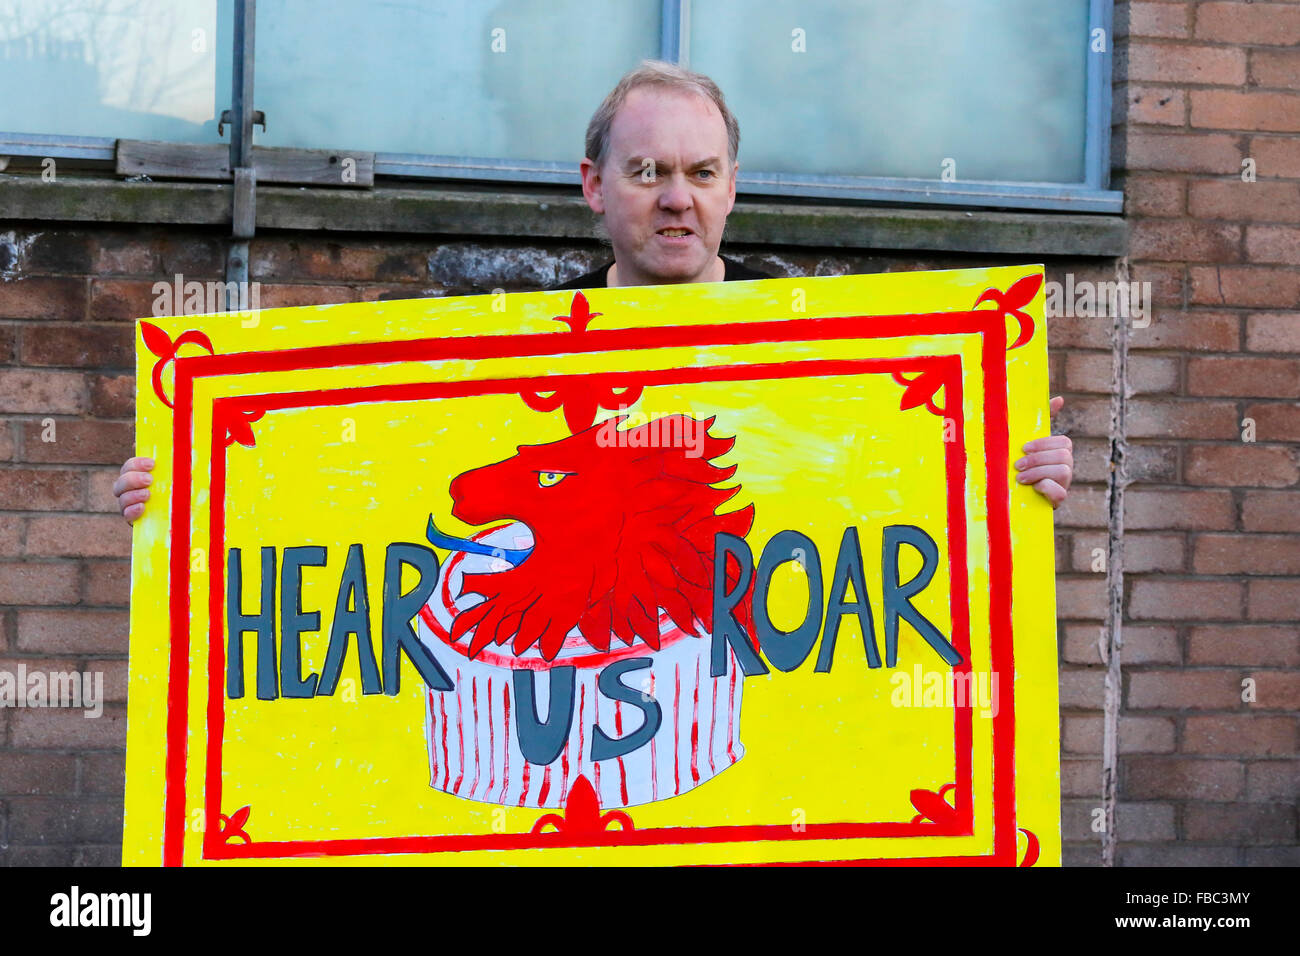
706	172
548	479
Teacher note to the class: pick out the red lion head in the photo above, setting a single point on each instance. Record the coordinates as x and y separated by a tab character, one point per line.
623	524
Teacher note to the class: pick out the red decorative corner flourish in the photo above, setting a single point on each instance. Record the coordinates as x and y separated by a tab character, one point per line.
231	827
235	424
1031	848
582	813
1009	303
923	388
580	401
160	344
934	807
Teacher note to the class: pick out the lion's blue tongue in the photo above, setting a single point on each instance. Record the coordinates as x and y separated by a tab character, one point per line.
448	542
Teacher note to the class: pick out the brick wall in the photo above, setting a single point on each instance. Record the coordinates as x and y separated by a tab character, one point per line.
1213	549
1213	542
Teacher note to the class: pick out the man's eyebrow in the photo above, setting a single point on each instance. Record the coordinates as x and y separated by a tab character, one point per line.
638	163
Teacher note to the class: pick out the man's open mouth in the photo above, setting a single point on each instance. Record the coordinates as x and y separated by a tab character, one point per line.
675	232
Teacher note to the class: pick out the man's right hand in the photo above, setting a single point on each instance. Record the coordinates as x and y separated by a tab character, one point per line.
132	487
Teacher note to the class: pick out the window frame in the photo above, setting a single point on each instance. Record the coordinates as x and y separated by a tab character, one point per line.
1092	195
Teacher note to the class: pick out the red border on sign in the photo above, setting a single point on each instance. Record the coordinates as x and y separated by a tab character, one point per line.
989	324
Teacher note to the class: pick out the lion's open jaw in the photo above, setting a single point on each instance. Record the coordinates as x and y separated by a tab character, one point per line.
620	530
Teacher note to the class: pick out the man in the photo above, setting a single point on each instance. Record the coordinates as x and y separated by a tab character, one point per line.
661	168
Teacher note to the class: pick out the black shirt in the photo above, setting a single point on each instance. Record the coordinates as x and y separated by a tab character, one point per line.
598	279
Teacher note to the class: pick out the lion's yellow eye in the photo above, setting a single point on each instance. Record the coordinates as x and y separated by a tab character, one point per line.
548	479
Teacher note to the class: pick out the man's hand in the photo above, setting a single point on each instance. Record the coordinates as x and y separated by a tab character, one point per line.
1048	463
132	487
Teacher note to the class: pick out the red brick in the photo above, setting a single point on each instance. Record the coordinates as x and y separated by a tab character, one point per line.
1150	105
1278	69
1143	644
1155	196
8	343
1183	778
1274	600
1265	287
108	583
1275	156
1081	597
112	396
26	774
1082	417
1279	244
1265	377
99	493
1244	645
1168	600
1084	508
1084	735
7	445
1218	153
1240	734
1246	554
81	346
1146	735
35	297
1177	854
276	296
1240	823
31	582
1081	778
1177	508
100	443
1182	63
92	536
1195	331
1271	511
1245	465
1257	112
1253	202
41	393
1142	552
1273	332
1082	689
291	259
1275	421
47	820
65	728
41	489
122	299
73	632
115	678
1167	20
1253	23
121	254
103	772
12	530
1273	781
1185	240
1184	690
1179	418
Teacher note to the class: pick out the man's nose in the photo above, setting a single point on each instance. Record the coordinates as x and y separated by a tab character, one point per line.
675	194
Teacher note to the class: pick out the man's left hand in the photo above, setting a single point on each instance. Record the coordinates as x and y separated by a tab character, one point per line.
1048	463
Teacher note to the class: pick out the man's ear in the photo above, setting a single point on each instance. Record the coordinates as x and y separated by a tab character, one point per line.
731	197
592	186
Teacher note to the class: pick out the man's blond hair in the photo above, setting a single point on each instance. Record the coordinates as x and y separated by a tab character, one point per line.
668	76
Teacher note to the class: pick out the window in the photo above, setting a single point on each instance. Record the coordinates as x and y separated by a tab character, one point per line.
962	102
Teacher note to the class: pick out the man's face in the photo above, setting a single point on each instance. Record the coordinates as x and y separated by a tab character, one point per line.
665	187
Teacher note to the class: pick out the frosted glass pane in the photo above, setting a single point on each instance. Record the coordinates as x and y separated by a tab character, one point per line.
424	77
127	69
895	87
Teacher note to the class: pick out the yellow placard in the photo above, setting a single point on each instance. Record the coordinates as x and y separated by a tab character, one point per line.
716	573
